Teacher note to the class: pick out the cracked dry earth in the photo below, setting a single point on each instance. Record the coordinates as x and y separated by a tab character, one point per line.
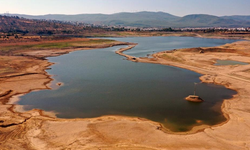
36	129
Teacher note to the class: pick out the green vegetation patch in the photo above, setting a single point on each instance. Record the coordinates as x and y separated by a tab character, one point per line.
56	45
98	41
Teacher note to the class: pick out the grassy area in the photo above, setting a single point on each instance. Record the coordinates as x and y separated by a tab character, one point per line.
55	45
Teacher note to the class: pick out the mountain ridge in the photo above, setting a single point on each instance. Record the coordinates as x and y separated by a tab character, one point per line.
149	19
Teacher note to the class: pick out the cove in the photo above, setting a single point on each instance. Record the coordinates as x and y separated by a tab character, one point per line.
100	82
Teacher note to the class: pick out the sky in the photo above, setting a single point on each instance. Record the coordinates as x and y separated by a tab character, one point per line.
175	7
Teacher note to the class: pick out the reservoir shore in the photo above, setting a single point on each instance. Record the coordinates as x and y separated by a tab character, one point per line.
37	129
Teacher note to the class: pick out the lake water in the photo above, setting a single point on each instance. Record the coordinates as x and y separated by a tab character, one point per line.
100	82
229	62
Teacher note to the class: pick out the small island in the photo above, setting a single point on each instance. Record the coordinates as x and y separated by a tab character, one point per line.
194	98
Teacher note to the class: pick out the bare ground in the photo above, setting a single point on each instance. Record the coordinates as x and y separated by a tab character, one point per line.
35	130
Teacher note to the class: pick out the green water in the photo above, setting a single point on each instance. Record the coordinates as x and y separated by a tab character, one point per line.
100	82
229	62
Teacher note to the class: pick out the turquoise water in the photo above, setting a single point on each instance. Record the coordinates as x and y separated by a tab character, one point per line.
229	62
100	82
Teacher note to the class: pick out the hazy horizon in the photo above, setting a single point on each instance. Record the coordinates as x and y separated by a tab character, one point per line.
74	7
122	12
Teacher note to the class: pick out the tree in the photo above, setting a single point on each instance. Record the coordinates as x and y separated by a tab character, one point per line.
168	29
49	32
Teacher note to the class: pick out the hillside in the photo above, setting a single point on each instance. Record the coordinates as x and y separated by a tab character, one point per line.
31	26
201	20
140	19
237	18
151	19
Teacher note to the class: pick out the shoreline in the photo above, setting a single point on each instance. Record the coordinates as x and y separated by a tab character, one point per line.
19	109
177	34
153	60
11	98
152	126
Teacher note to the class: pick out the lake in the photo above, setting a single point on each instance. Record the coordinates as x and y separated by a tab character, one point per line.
100	82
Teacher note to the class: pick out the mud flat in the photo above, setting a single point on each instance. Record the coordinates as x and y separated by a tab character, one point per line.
36	130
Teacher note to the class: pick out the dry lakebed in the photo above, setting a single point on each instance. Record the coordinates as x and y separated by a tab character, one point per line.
24	70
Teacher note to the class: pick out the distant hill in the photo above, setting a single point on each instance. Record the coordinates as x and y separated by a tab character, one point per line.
237	18
140	19
201	20
150	19
19	25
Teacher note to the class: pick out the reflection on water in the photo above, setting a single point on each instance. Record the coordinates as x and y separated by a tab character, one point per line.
100	82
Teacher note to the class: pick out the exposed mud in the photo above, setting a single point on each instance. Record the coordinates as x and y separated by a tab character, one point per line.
36	130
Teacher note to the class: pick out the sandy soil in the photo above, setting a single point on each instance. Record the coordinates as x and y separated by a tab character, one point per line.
35	130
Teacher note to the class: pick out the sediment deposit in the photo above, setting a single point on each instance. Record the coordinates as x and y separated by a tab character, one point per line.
36	129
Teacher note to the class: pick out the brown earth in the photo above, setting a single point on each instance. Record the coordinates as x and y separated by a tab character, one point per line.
37	129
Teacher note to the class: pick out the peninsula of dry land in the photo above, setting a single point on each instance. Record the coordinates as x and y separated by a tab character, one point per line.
23	67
